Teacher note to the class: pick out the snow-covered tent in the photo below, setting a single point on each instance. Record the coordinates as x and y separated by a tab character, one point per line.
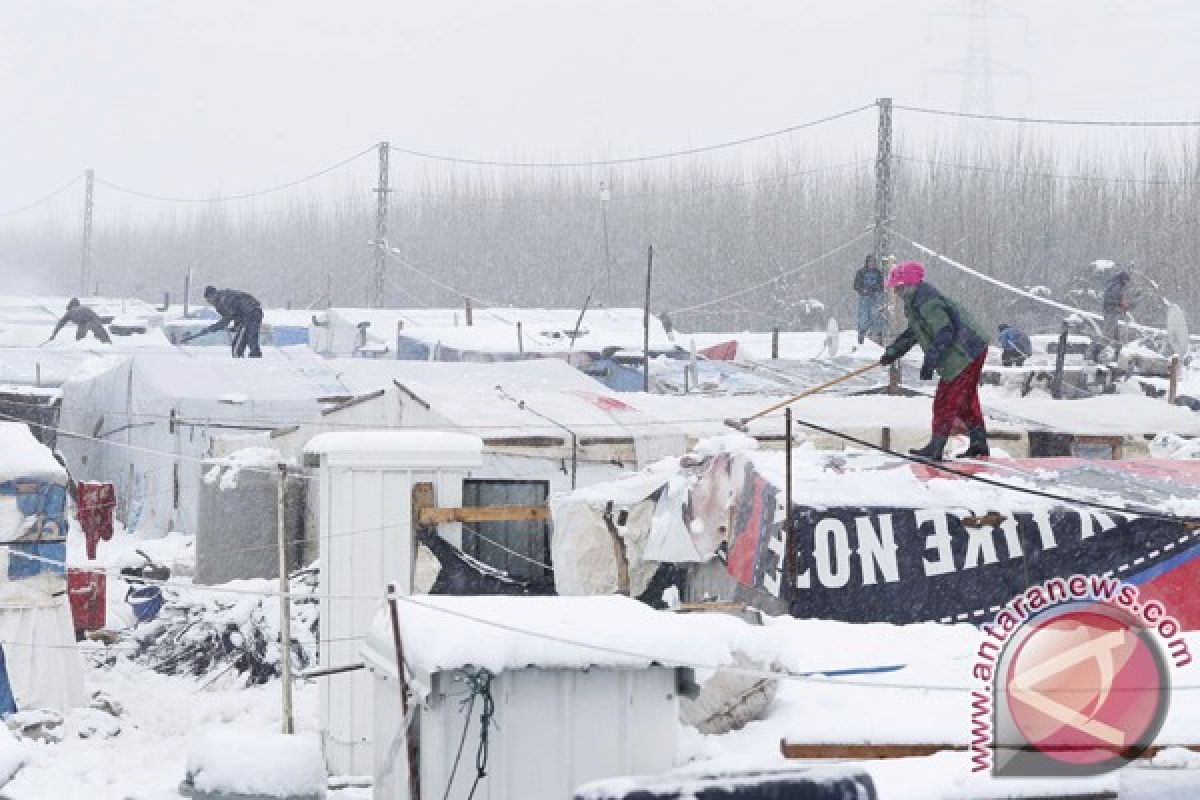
41	667
879	539
145	422
495	334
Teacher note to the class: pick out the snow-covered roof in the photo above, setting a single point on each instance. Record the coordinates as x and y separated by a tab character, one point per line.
505	633
22	456
406	447
487	398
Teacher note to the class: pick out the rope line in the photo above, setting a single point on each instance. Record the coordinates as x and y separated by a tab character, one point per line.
1048	175
43	198
479	162
1015	290
943	467
1054	121
244	196
780	276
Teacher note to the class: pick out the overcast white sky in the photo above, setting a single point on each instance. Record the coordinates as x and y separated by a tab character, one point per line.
190	97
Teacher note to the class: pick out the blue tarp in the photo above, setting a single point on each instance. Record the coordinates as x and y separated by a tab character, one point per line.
41	500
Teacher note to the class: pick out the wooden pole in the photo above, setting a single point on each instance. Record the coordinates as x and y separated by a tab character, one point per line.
1173	386
285	605
1060	361
520	338
414	781
470	318
789	535
646	323
774	343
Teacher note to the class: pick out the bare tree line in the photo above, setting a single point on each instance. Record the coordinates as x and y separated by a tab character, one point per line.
1021	212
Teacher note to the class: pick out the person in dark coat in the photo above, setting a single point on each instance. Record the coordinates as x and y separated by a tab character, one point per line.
1115	305
955	348
868	283
86	321
1016	345
240	309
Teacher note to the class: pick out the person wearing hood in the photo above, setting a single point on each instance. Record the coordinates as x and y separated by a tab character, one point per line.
86	321
955	348
1115	305
1016	345
240	309
868	284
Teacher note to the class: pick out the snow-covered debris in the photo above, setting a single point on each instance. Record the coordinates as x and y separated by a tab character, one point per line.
257	763
201	632
1170	445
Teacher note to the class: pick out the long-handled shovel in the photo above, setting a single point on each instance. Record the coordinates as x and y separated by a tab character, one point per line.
740	424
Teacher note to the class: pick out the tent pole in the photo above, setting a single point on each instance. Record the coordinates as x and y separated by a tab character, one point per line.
285	605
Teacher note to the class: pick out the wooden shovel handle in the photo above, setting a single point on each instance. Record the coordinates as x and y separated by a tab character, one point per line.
814	390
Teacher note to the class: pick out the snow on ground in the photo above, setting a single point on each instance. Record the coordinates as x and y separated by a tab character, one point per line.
162	716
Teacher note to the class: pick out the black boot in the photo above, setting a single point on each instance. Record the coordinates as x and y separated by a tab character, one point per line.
979	445
932	451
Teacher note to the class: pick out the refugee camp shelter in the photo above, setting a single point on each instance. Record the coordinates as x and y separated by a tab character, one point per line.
41	668
579	688
545	426
489	334
146	421
369	482
280	328
880	539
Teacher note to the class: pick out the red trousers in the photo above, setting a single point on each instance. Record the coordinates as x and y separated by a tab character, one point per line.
956	403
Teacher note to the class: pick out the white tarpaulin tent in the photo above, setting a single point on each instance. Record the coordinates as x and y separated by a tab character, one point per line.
336	332
43	669
146	421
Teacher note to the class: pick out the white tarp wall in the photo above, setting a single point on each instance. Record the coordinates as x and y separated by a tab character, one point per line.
36	630
146	423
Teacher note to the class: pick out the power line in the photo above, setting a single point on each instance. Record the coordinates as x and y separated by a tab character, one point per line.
245	196
479	162
405	262
592	198
44	198
1049	175
776	278
1052	121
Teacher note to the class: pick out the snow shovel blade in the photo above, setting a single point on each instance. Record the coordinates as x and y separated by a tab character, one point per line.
737	424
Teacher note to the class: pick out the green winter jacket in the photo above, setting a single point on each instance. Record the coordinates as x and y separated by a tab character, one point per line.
949	336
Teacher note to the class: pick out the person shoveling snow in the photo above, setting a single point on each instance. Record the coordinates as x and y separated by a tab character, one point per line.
955	348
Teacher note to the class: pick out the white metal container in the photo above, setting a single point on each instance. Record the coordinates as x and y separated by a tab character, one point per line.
366	542
554	729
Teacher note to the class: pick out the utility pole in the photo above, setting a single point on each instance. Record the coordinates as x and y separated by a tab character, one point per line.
883	206
883	181
85	267
977	69
381	212
604	198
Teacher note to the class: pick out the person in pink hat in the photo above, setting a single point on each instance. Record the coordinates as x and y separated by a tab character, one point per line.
955	348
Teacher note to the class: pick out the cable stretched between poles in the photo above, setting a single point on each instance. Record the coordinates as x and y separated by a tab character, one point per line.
1192	523
740	424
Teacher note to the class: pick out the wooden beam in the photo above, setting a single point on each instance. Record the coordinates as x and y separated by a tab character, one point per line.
442	516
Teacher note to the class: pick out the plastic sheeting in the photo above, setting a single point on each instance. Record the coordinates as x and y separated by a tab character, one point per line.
44	668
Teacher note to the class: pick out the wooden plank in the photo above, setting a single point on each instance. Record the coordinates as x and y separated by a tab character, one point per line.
862	752
441	516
